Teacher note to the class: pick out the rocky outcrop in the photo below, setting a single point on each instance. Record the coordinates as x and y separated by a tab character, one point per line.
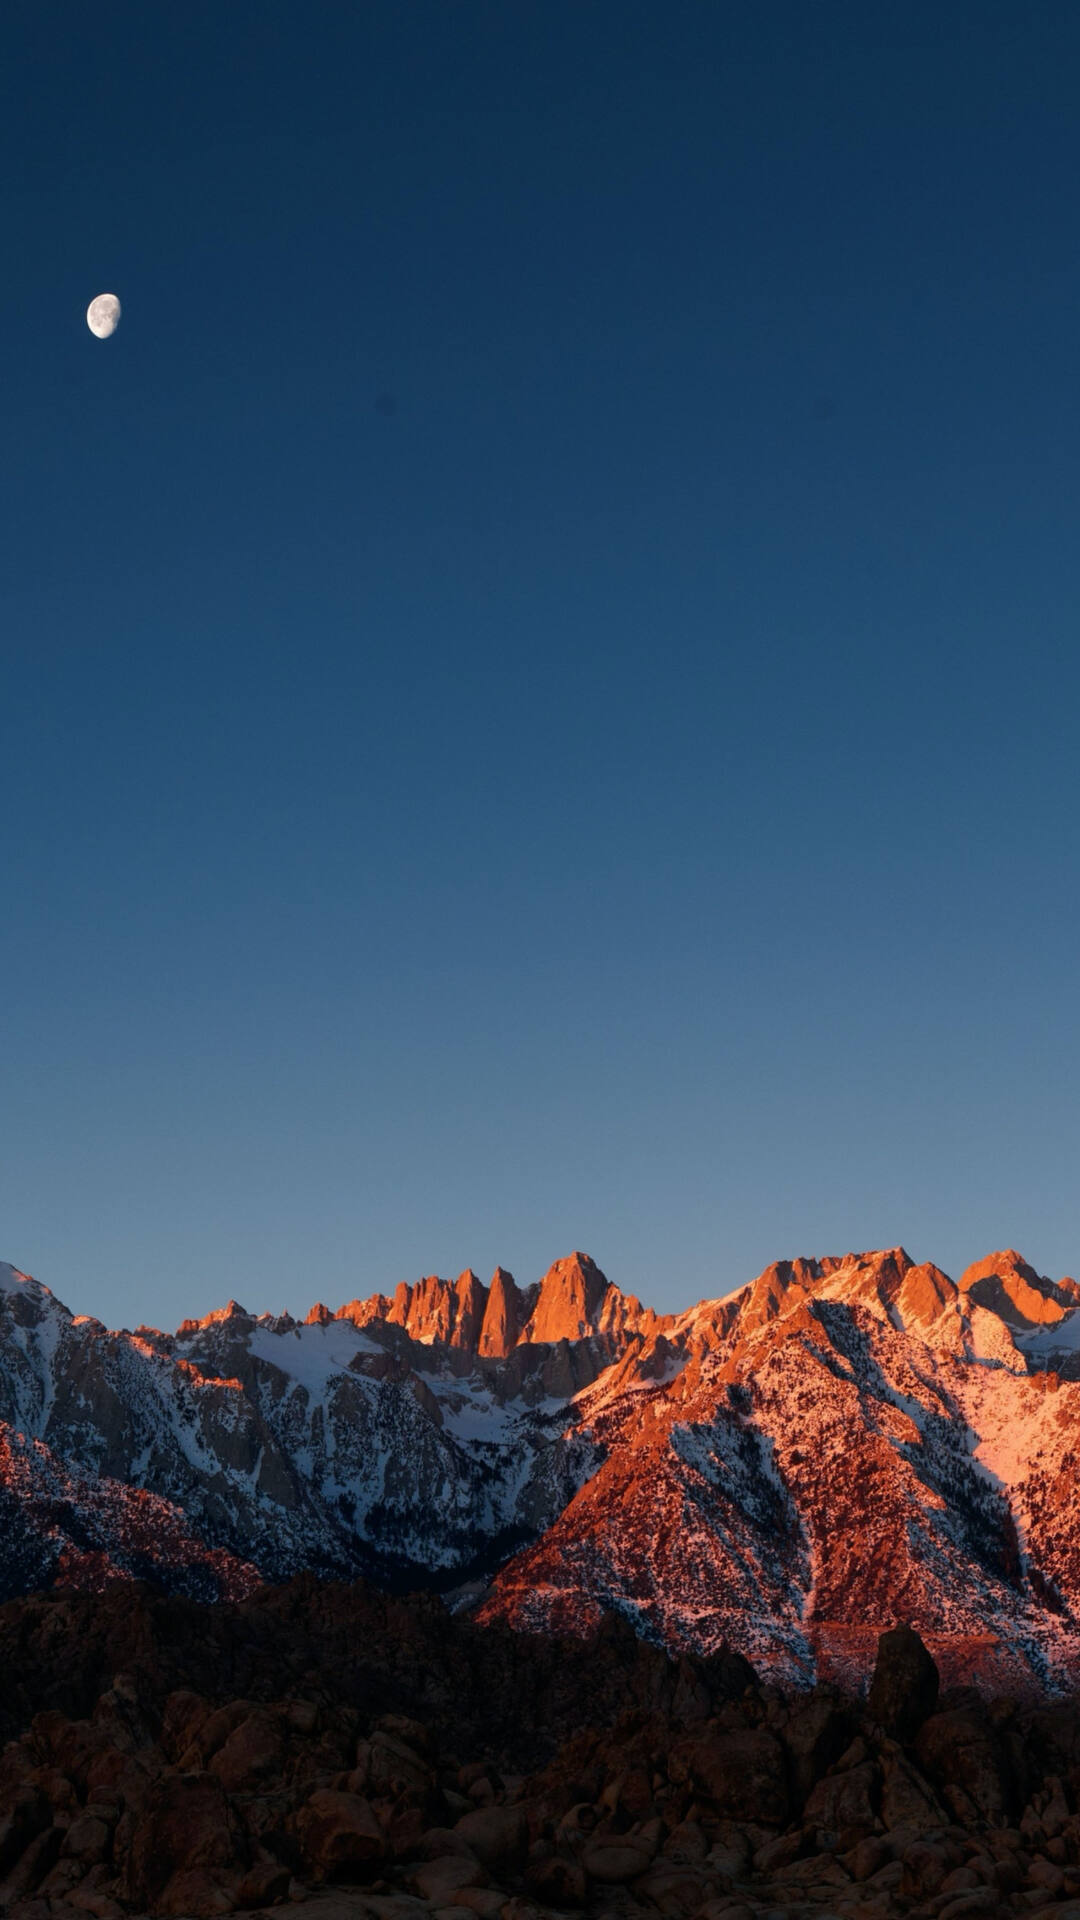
904	1689
641	1787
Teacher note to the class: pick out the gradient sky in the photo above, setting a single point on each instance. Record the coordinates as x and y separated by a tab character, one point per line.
539	668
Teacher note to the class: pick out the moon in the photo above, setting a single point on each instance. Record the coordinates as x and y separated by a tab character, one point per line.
103	315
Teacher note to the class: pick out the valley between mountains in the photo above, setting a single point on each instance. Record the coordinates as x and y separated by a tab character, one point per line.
843	1444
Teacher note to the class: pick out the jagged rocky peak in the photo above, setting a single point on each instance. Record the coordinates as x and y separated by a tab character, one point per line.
925	1294
27	1300
427	1311
573	1301
1009	1287
571	1297
232	1311
875	1278
503	1315
887	1282
576	1301
448	1311
470	1299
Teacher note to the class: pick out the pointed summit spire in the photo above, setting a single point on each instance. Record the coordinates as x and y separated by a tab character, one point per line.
470	1299
571	1296
502	1316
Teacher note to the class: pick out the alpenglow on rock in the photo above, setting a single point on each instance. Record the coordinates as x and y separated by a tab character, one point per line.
841	1446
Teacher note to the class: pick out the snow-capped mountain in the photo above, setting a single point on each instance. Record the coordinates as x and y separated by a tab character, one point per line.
841	1444
418	1438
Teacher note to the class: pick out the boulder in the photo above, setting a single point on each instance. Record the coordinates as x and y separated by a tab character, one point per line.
686	1845
744	1774
926	1864
197	1893
252	1751
629	1791
440	1881
32	1866
845	1800
62	1879
24	1813
676	1891
904	1689
979	1900
819	1870
557	1882
393	1766
185	1713
959	1750
779	1852
340	1835
412	1733
406	1828
186	1823
302	1716
499	1836
907	1800
1043	1873
613	1861
53	1782
488	1902
212	1732
816	1733
264	1884
577	1824
123	1776
86	1840
437	1842
867	1857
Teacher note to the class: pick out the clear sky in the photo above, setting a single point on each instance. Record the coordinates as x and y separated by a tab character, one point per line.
539	667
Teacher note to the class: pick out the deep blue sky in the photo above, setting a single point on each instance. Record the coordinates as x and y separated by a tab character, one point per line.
539	667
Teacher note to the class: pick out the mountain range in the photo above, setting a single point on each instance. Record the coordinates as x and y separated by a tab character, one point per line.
840	1445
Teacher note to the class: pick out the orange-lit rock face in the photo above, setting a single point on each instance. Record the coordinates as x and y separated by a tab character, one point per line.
500	1328
573	1301
844	1443
470	1299
1010	1288
924	1295
571	1296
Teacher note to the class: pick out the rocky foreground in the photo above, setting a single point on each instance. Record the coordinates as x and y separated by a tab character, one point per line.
356	1755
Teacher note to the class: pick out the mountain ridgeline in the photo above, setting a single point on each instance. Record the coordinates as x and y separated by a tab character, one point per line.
842	1444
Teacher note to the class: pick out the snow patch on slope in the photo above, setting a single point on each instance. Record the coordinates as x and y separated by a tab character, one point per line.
311	1355
1062	1337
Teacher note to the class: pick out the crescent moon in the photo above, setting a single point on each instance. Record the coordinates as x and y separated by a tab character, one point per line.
103	315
